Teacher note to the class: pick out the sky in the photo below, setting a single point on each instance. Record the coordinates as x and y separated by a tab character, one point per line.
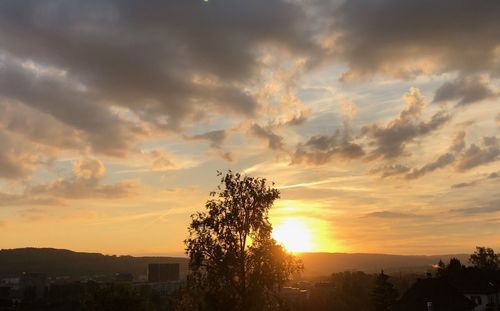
378	120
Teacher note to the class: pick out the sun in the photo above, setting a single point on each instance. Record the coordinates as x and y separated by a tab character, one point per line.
294	235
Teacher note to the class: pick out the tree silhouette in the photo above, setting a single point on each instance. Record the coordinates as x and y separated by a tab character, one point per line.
384	294
485	259
453	268
235	263
440	269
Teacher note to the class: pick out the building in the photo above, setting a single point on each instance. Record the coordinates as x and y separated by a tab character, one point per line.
163	272
433	295
32	285
479	287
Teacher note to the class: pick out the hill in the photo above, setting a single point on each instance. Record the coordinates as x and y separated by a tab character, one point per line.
320	264
61	262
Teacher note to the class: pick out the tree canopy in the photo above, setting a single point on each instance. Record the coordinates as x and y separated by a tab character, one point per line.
384	294
234	262
484	258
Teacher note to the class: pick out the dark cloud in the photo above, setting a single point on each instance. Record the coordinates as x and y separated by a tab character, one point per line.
298	119
388	170
53	94
86	182
160	160
458	143
38	127
275	142
494	175
216	138
98	76
407	38
465	184
487	208
476	156
394	215
476	182
321	149
442	161
165	61
390	140
465	91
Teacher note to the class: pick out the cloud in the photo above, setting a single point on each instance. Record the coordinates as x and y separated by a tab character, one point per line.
476	156
167	62
487	208
18	199
216	138
464	184
160	160
476	182
38	127
17	159
390	140
442	161
298	119
393	215
55	94
466	91
321	149
493	175
85	182
405	39
388	170
275	142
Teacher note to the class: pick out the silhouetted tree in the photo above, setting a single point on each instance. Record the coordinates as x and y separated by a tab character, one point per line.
440	269
384	294
485	259
454	266
351	291
452	269
235	263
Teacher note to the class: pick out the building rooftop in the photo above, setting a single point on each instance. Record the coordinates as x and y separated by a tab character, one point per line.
438	293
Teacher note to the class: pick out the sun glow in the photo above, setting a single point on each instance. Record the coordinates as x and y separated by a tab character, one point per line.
294	235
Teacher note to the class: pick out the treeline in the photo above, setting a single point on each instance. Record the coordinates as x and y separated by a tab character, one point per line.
350	291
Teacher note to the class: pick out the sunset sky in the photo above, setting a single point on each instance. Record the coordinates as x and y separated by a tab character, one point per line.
379	120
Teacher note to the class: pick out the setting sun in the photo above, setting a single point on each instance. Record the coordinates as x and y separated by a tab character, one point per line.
294	235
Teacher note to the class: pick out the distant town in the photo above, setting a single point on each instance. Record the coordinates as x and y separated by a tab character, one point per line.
449	285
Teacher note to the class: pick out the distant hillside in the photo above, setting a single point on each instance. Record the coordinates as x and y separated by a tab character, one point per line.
61	262
319	264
